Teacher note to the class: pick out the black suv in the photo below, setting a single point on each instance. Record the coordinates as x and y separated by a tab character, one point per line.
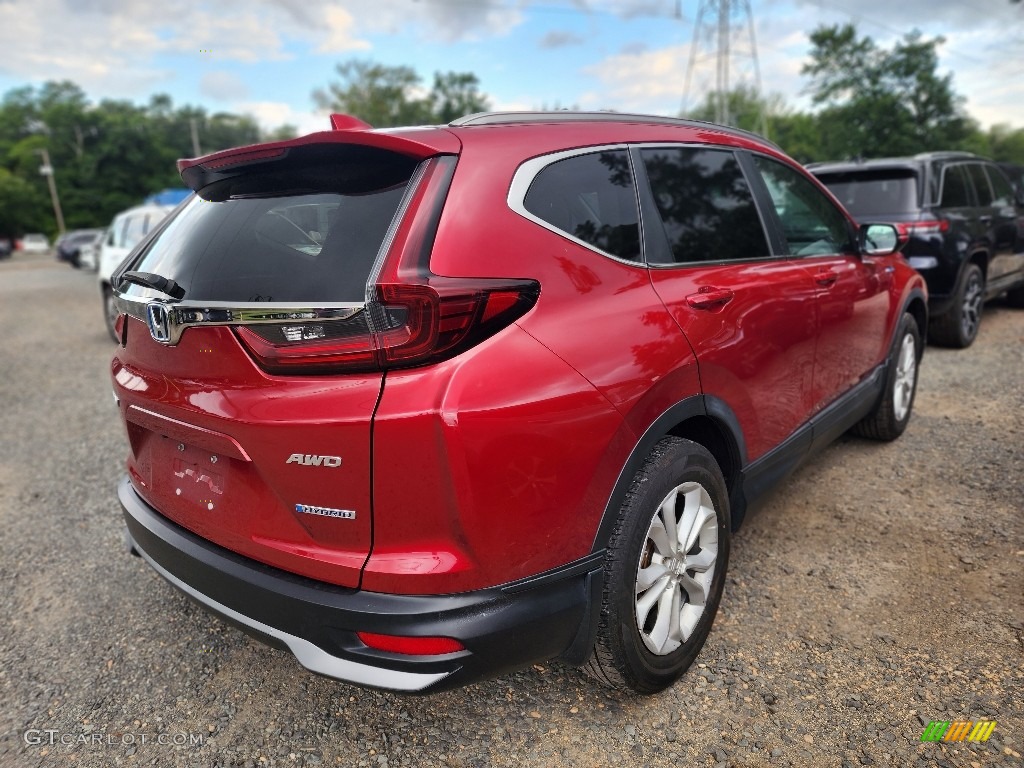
964	222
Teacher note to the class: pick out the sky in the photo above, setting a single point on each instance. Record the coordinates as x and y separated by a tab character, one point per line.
265	57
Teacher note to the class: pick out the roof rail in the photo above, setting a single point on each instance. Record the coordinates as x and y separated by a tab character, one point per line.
572	116
945	154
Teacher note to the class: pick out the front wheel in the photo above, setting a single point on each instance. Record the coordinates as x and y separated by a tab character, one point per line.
664	570
892	413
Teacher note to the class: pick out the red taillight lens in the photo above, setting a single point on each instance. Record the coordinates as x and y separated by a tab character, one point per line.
411	646
322	355
928	227
413	324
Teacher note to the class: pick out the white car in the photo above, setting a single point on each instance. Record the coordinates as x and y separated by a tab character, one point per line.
127	230
35	244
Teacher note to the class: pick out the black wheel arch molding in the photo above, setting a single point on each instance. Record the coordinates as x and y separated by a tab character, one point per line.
695	406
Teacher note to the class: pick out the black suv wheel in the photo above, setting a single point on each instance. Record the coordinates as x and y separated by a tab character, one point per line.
958	327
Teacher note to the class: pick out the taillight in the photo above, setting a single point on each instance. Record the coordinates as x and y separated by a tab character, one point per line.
412	324
411	316
927	227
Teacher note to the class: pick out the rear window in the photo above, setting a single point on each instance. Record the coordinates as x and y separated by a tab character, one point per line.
874	193
286	234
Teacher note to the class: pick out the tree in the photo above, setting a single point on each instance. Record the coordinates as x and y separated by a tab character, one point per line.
386	96
106	157
748	109
878	102
456	94
377	94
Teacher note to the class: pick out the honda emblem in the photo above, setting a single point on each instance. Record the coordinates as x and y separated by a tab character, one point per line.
159	322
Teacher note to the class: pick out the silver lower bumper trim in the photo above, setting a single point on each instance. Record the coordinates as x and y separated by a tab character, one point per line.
310	656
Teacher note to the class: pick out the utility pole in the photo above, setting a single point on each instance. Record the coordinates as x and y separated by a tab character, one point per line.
195	137
46	169
718	33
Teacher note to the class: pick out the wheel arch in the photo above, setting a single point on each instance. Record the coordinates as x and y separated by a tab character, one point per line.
916	305
703	419
979	257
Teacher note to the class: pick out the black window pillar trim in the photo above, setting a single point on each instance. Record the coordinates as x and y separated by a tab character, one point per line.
657	251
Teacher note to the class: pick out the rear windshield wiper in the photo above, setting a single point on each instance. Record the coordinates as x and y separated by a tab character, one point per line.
156	282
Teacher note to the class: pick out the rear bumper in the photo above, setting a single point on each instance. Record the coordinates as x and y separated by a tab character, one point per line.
502	628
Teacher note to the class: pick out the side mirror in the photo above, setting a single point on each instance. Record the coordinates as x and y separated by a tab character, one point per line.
879	240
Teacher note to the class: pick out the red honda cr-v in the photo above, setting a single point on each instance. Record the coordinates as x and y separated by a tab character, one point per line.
426	405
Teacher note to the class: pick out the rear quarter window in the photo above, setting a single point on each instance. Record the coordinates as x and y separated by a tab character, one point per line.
592	198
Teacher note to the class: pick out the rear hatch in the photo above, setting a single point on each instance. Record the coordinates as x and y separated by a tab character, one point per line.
246	374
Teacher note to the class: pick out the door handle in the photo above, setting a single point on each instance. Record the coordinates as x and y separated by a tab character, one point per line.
710	298
826	278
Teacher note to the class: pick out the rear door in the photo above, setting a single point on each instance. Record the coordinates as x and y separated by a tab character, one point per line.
750	316
1003	223
245	386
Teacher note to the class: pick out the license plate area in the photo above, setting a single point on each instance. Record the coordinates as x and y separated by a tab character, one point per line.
197	476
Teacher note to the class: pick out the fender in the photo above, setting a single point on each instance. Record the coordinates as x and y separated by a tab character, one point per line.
695	405
917	292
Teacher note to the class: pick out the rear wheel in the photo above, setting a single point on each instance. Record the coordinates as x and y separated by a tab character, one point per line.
958	326
664	571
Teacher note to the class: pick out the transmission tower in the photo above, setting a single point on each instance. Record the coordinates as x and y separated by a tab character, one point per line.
723	32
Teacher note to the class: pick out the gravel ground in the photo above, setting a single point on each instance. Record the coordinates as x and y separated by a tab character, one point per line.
879	589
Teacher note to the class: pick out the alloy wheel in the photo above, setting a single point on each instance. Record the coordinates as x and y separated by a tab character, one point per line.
970	311
676	569
906	373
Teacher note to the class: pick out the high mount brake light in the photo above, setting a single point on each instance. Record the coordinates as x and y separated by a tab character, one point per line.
411	317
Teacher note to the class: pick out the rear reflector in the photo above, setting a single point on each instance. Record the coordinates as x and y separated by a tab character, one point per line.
411	646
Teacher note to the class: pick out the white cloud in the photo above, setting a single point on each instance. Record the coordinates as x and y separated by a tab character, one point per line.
560	39
339	26
223	86
649	81
273	114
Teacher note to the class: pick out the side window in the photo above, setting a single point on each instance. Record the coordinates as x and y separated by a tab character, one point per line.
981	187
705	204
955	188
592	198
1000	187
813	226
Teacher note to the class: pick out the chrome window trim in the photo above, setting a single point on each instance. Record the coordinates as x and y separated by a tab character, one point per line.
525	174
189	314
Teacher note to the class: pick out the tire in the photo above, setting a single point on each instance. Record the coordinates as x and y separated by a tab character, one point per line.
110	313
892	413
647	573
958	326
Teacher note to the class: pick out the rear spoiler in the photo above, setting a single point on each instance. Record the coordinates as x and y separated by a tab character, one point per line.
415	143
